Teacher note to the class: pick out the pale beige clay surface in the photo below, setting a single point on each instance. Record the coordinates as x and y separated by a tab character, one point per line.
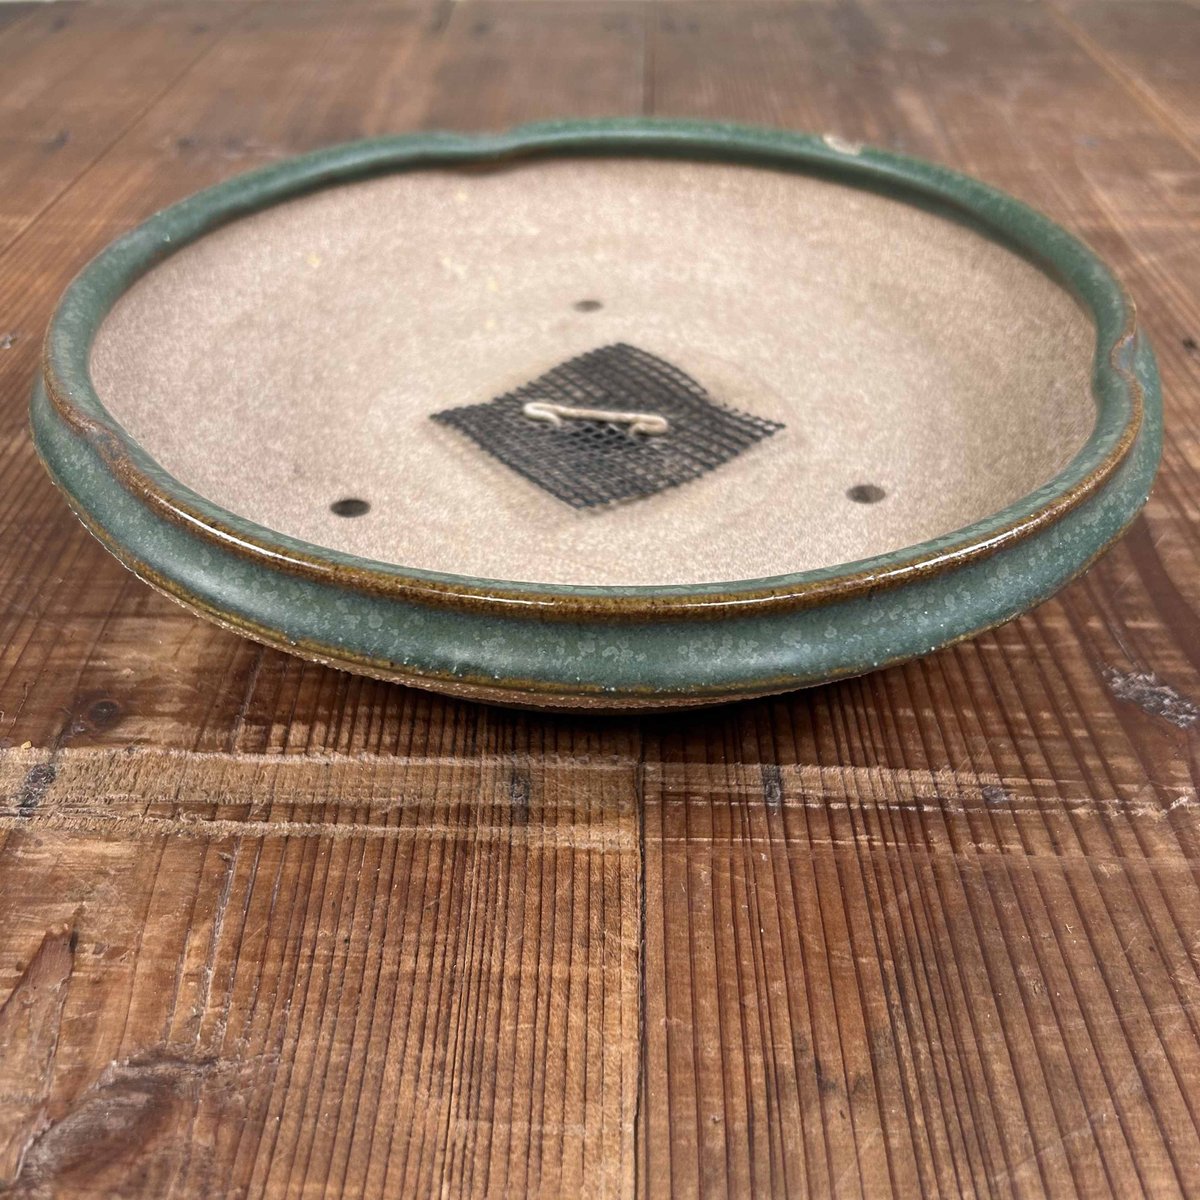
292	358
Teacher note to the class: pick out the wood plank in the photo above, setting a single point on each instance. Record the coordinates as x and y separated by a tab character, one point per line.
505	64
990	998
291	932
73	78
1151	49
272	976
284	79
917	953
265	90
474	989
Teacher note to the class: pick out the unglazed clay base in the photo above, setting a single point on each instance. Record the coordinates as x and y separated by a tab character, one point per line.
237	399
292	359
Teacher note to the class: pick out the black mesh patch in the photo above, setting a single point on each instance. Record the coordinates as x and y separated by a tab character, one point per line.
589	463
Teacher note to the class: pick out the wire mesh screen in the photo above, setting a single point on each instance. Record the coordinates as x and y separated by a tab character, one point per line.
543	431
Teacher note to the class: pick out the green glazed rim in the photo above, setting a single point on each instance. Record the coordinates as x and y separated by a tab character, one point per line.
488	636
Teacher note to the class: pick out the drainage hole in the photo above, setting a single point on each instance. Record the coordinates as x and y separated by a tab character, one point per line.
865	493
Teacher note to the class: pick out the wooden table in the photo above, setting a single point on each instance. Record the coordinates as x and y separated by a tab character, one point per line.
268	929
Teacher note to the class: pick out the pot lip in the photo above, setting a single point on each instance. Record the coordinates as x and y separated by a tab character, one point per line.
1121	400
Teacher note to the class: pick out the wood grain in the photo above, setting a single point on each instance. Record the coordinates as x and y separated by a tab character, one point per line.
271	930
